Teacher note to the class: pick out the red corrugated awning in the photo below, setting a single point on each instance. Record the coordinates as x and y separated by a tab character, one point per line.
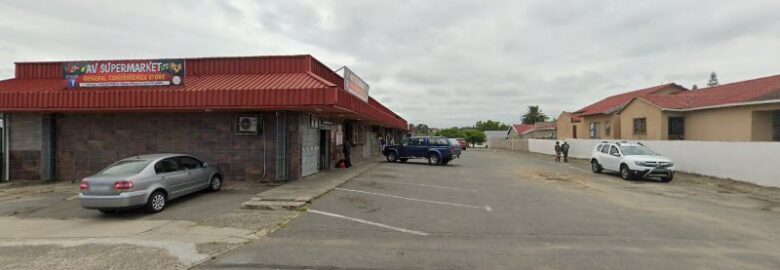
239	83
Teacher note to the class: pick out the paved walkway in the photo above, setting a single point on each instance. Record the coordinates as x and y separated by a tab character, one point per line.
301	191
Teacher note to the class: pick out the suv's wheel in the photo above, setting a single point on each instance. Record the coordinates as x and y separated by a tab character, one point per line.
668	179
215	184
626	173
157	202
392	157
595	166
434	159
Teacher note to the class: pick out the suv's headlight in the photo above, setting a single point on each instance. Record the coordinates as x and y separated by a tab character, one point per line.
641	163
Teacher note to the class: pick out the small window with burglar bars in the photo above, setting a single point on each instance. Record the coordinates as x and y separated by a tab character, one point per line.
640	125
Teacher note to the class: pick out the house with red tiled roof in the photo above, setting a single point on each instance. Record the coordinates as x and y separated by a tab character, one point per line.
741	111
541	130
601	120
569	125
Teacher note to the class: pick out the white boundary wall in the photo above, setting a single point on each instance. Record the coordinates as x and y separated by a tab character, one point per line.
753	162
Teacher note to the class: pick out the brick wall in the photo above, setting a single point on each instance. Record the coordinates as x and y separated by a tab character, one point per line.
87	143
25	146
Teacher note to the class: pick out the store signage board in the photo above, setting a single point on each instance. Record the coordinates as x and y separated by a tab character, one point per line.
355	85
168	72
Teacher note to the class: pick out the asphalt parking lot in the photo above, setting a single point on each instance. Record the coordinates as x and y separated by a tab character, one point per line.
59	201
509	210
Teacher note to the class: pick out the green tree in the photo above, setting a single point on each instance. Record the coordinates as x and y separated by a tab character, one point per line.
534	115
474	136
451	133
490	125
422	129
713	80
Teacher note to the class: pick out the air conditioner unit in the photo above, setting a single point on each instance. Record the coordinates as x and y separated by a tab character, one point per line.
247	124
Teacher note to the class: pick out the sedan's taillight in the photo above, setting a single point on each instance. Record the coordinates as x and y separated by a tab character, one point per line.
123	185
84	186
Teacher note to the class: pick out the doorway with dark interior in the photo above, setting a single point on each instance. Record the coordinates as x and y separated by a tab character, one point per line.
324	149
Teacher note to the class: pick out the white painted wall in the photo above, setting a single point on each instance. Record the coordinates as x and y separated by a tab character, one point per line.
752	162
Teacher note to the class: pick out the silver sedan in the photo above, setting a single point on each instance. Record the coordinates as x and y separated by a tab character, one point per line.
147	181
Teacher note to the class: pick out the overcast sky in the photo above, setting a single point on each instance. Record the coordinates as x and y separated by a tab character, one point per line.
444	63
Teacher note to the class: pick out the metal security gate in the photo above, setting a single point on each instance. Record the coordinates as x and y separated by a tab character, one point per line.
370	145
310	146
282	158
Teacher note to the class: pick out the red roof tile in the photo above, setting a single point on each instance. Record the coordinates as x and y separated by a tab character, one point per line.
522	129
766	88
613	103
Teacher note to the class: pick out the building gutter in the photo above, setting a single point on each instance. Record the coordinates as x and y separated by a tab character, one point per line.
761	102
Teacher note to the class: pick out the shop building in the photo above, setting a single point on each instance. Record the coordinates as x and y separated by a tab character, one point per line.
267	118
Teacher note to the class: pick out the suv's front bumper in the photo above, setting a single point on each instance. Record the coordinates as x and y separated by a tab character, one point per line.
653	171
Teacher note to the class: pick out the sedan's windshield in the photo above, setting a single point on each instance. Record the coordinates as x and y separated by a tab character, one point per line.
126	167
630	150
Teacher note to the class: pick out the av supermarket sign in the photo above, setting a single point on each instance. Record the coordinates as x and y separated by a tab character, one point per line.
169	72
355	85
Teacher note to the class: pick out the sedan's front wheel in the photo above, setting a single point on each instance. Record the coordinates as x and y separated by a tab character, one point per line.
215	184
156	202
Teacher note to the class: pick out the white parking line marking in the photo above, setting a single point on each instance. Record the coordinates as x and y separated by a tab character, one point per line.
368	222
425	185
486	208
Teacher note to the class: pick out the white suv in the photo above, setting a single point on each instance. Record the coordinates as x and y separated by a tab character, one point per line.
631	160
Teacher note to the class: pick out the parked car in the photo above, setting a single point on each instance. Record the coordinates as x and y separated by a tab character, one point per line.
437	150
463	143
457	149
631	160
148	181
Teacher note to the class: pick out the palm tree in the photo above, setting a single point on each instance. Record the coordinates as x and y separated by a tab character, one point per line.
533	115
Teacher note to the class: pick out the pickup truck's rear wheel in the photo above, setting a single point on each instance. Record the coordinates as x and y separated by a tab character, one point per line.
445	162
392	157
434	159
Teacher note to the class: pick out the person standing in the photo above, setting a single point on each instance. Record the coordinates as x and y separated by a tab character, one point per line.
382	144
557	152
347	148
565	151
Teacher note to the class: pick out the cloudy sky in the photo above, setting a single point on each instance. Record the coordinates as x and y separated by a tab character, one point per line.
444	63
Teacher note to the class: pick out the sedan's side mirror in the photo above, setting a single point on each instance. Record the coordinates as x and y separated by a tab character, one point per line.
205	164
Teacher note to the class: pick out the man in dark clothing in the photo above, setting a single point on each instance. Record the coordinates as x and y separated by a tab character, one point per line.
557	152
565	151
346	149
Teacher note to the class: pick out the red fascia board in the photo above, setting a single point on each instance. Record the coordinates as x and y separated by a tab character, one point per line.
160	98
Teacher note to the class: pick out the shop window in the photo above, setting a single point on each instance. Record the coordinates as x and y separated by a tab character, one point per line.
640	126
594	130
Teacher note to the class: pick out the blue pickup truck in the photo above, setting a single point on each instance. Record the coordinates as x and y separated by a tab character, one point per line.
437	150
